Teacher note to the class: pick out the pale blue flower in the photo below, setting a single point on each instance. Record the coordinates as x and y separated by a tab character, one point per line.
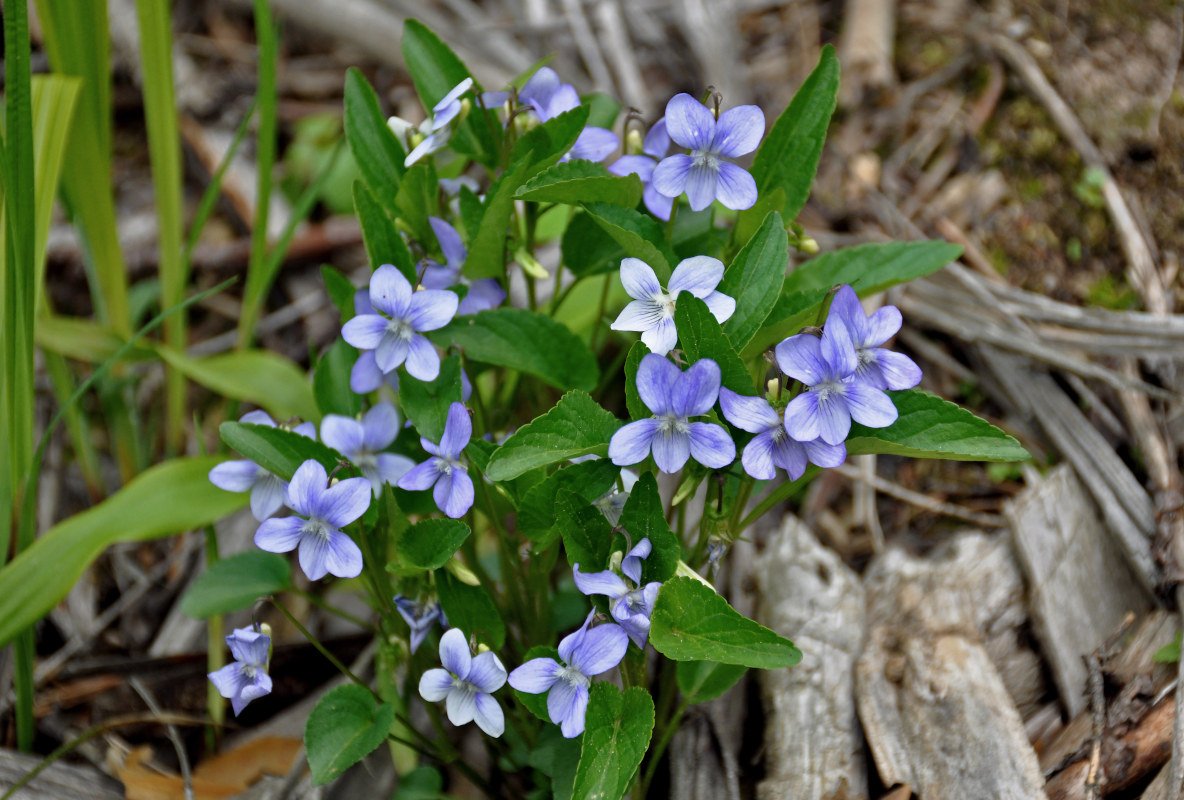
630	606
482	294
454	491
420	616
703	174
267	490
466	684
772	446
674	397
437	129
550	97
878	367
652	308
397	337
362	442
246	679
586	654
323	547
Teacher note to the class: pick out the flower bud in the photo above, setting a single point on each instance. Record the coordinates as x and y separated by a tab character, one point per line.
808	245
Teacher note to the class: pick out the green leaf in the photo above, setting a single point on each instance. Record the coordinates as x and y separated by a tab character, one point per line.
588	249
384	245
588	479
575	182
418	199
555	756
639	235
701	681
754	279
537	703
871	268
278	451
430	543
788	158
618	726
603	109
421	783
545	144
527	341
576	426
644	517
692	623
434	68
929	427
470	608
1169	653
346	725
330	382
700	336
587	535
340	290
259	376
375	147
868	268
637	408
426	403
161	501
487	251
236	582
83	339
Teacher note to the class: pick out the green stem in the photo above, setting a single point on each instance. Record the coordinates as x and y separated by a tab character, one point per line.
598	321
660	748
332	659
332	609
215	657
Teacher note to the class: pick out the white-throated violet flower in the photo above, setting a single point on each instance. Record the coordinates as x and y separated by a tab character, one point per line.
245	679
453	492
362	442
466	684
652	309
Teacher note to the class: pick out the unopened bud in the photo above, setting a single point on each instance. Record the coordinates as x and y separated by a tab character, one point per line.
684	570
808	245
772	386
530	264
462	573
401	128
633	141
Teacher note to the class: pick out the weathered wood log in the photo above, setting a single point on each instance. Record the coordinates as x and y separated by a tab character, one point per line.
1081	586
936	711
813	746
57	782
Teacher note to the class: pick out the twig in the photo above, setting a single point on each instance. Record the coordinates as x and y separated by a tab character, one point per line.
182	759
922	501
1141	266
1095	777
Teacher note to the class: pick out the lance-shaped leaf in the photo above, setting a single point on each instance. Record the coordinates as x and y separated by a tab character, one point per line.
576	426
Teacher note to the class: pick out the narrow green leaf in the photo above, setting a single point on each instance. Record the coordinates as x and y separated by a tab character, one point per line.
588	249
419	199
788	158
279	451
471	609
644	518
426	403
434	68
588	479
929	427
639	235
754	279
430	543
330	383
576	182
259	376
376	149
346	725
384	245
587	535
340	290
618	726
526	341
236	582
692	623
487	251
83	340
700	336
545	144
164	500
54	100
702	681
576	426
637	408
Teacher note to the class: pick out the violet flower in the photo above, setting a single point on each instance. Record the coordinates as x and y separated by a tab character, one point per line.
482	294
396	337
363	442
550	97
878	367
438	128
835	395
772	447
653	149
366	377
420	616
674	396
703	174
586	654
453	492
324	510
466	684
267	489
652	309
246	679
630	606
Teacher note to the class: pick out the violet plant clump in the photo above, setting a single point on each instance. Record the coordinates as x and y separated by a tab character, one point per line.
506	377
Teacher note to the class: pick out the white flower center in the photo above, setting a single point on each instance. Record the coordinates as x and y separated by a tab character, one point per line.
365	460
315	527
445	466
573	676
669	425
463	688
705	158
400	329
826	389
249	671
